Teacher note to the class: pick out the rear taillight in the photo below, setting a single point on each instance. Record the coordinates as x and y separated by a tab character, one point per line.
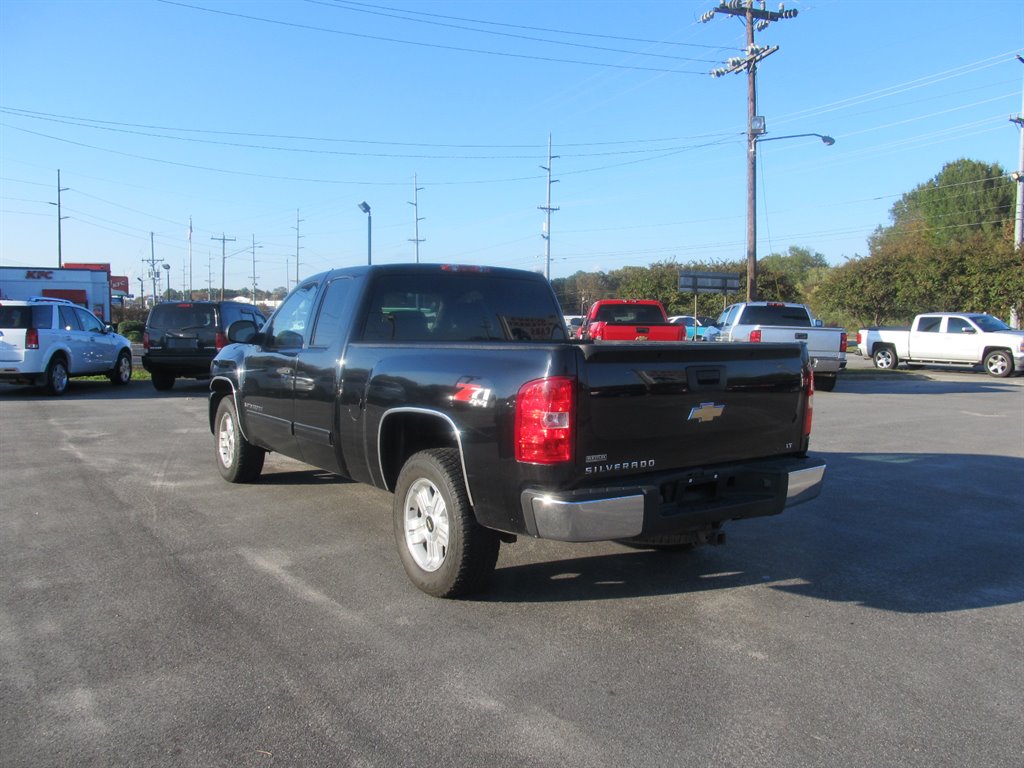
544	420
842	341
809	413
145	340
755	335
220	341
31	339
859	341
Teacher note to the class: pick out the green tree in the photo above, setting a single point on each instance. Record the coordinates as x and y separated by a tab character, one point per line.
966	197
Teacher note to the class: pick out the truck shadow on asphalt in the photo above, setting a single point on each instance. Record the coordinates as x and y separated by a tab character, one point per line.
910	533
94	389
912	383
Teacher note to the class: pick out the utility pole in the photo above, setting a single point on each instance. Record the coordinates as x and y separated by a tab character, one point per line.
546	234
297	236
1018	176
754	18
152	265
254	270
416	218
60	255
190	258
223	259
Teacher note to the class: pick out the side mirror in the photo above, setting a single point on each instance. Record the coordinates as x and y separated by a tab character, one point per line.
242	332
818	323
968	329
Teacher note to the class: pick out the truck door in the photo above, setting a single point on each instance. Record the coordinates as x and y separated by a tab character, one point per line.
268	387
961	340
318	376
927	339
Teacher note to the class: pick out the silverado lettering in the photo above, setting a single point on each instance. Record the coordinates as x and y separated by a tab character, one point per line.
354	374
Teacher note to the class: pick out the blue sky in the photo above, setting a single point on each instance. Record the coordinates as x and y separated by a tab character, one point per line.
246	116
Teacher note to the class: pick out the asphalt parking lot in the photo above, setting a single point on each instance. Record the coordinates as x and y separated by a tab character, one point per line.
152	614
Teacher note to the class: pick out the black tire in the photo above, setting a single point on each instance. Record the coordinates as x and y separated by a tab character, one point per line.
57	377
885	358
162	381
238	460
999	363
444	550
825	383
122	372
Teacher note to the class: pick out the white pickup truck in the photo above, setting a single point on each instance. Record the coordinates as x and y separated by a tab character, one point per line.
948	338
768	321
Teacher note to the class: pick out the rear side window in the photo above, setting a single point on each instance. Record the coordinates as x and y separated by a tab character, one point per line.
461	307
26	317
929	324
182	316
68	319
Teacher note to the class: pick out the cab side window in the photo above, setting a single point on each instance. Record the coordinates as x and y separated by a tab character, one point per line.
330	323
289	327
957	325
929	324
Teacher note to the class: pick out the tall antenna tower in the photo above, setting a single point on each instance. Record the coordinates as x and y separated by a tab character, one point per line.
546	234
416	218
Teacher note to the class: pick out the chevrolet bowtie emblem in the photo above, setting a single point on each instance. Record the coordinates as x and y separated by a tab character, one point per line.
706	412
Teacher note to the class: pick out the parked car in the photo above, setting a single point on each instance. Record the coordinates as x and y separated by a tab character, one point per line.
572	325
44	342
629	320
947	338
696	327
770	321
182	337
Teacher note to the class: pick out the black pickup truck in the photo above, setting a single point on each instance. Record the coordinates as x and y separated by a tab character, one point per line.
457	389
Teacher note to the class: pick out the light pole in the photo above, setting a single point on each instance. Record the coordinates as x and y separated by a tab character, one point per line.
755	135
365	208
142	291
167	275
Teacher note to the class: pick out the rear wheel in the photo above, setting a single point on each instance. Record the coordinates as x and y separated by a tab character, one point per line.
238	460
122	372
824	383
57	376
885	358
444	550
162	381
999	363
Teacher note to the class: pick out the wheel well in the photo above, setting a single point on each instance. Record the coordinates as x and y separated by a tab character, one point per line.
403	434
989	350
219	389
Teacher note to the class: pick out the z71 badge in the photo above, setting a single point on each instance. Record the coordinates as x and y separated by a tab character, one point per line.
473	394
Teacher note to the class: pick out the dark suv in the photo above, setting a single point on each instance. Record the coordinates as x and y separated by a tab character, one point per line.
182	337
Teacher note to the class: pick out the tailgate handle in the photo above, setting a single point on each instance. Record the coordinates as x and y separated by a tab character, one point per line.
801	335
705	378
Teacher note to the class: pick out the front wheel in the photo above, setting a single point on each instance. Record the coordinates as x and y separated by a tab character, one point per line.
444	550
238	460
885	358
999	363
122	372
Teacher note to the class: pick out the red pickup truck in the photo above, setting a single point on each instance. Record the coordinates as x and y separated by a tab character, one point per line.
629	320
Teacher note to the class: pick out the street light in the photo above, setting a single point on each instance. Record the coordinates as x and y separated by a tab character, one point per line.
365	208
142	291
167	272
755	135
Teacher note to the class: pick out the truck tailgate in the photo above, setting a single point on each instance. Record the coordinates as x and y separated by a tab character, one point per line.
664	406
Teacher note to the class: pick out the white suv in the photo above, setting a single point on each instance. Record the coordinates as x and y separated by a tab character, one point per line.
45	342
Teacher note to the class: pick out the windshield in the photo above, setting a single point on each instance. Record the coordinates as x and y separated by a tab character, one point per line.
182	316
989	323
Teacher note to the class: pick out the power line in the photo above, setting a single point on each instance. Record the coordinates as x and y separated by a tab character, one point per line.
437	46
